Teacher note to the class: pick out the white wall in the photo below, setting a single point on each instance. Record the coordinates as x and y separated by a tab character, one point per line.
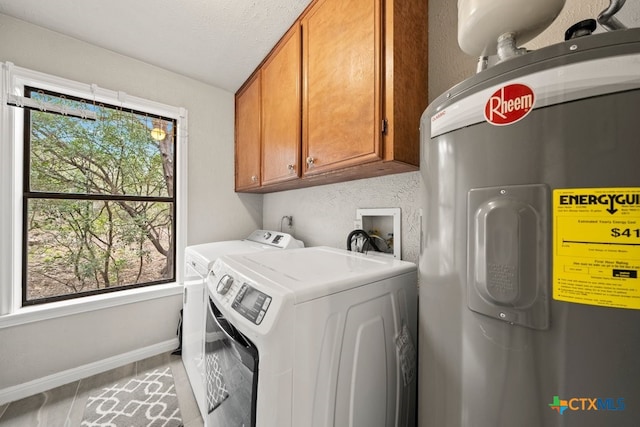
36	350
324	215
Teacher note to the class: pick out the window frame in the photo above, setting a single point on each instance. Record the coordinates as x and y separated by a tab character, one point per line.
12	158
28	194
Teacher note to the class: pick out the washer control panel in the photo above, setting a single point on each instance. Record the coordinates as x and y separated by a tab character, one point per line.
274	239
251	303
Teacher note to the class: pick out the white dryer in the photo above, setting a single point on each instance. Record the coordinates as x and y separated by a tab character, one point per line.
314	337
198	261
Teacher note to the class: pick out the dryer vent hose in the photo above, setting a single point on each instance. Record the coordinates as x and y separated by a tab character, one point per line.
361	241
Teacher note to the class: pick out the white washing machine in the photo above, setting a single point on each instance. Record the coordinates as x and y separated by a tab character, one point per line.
313	337
198	261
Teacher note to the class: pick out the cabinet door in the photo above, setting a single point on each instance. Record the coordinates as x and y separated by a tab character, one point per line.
247	165
281	105
342	84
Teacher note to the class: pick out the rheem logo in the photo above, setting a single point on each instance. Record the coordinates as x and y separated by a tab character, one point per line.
509	104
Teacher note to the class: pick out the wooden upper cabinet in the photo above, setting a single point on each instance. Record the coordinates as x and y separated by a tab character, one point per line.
342	84
405	82
341	97
281	116
247	144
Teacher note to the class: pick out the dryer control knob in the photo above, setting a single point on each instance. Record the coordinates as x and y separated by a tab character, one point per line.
224	284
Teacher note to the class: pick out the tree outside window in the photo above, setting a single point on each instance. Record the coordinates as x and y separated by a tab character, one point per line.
99	202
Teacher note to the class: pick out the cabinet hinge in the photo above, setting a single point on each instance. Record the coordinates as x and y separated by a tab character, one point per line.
385	125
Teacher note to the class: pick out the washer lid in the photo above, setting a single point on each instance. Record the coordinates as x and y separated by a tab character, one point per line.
316	272
202	256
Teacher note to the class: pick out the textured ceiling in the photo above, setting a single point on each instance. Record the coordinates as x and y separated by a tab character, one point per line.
219	42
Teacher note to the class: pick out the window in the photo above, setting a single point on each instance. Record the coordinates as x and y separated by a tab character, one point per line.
97	198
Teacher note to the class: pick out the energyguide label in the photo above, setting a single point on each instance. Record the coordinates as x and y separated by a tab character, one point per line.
596	246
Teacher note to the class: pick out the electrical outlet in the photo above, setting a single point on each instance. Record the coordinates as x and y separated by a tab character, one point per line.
357	224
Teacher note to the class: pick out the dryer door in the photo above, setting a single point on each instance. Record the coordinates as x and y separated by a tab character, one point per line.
231	373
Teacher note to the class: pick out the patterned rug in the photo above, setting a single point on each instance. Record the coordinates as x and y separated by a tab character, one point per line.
148	400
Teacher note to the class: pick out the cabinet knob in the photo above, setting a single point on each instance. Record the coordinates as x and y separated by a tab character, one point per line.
291	168
254	178
310	161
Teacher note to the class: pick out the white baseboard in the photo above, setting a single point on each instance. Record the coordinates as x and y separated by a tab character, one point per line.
39	385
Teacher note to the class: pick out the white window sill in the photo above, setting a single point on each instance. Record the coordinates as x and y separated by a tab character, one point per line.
80	305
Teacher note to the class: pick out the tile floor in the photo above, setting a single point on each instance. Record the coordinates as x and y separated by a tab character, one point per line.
64	406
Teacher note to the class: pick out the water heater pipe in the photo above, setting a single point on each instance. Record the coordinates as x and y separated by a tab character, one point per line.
483	64
607	19
507	47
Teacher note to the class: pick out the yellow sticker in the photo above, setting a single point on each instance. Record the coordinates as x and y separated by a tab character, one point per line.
596	246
